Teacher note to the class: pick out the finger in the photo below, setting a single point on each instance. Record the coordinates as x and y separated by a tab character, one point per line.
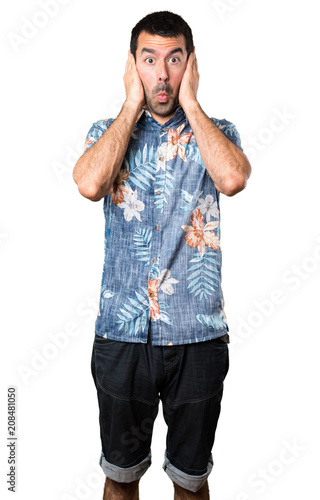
130	55
195	60
128	60
132	61
190	61
194	54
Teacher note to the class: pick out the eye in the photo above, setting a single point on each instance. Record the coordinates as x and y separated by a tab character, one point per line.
149	60
174	60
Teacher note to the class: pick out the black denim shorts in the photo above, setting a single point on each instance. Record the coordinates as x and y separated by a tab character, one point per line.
131	378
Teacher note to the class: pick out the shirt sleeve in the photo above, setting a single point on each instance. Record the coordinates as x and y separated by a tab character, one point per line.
96	131
229	130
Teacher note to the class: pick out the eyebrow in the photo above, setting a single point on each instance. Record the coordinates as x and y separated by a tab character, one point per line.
152	51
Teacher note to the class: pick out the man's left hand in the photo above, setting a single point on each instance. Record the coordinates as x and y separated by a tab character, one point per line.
190	82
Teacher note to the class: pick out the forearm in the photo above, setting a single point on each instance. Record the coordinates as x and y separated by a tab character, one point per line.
96	170
226	164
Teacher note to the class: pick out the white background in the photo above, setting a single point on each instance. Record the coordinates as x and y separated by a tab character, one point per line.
257	59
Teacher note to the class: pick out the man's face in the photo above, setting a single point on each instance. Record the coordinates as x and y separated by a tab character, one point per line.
161	63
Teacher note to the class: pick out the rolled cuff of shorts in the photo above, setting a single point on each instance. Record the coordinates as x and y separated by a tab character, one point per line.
125	474
186	481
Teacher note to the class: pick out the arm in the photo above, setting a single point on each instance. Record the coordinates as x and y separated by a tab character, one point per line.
96	170
226	164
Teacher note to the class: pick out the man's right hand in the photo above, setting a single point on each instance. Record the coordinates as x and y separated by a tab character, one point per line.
97	169
133	84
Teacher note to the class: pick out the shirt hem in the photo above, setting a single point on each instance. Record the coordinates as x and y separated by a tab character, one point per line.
193	340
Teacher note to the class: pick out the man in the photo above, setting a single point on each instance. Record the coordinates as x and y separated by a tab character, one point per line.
161	331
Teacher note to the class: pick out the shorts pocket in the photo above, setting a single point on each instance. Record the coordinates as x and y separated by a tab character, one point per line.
100	341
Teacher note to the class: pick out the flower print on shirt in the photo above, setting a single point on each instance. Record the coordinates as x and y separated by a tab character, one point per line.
176	141
199	235
132	206
165	282
89	141
134	247
119	189
153	299
209	207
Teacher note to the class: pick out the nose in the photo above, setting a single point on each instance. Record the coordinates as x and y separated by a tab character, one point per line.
162	72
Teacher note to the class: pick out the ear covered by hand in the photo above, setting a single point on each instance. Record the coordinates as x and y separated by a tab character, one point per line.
190	81
132	83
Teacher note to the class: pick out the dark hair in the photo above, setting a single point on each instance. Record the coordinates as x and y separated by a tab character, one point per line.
162	23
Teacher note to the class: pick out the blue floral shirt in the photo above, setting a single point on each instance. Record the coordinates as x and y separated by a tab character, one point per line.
162	264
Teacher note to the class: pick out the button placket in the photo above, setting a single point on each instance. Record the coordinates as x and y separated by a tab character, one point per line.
161	162
160	158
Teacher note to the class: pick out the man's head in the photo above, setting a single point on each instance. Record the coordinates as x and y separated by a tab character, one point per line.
164	24
161	43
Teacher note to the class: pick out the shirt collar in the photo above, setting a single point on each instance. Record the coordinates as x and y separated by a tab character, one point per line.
147	121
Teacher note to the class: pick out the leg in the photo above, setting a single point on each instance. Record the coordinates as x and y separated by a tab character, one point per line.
121	491
191	407
128	407
182	494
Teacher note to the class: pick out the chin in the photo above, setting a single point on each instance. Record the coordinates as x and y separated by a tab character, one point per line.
164	109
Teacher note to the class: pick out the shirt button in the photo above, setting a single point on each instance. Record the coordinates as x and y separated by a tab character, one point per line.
157	228
158	192
161	158
163	129
151	294
155	260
